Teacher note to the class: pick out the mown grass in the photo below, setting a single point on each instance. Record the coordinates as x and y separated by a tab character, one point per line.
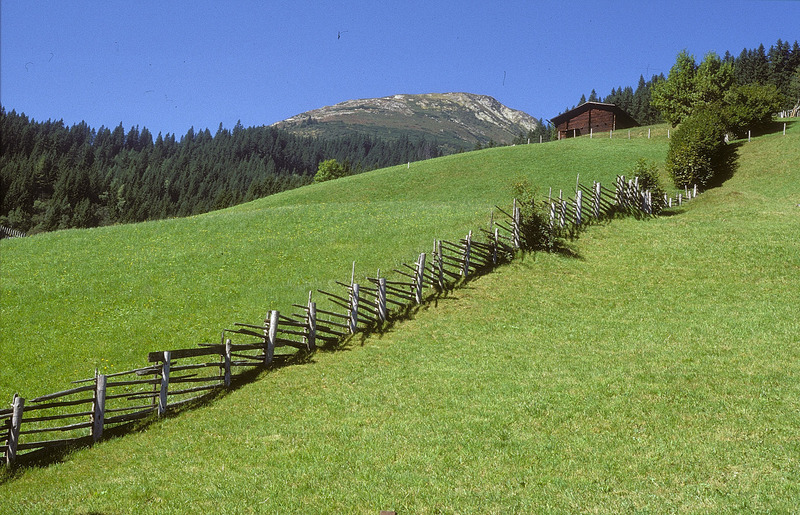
658	371
77	300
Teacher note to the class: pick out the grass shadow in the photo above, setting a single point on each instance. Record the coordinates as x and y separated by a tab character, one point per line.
725	164
44	457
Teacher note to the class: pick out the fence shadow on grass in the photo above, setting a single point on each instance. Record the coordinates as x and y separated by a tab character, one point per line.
178	380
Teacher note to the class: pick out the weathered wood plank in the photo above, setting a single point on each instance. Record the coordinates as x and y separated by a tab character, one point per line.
99	407
59	404
53	443
218	349
162	398
13	445
195	389
64	393
70	427
31	420
130	417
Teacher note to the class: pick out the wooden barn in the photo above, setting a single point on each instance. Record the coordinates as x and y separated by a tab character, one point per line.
592	117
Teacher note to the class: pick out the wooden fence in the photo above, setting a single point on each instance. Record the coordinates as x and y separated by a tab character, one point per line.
8	232
172	378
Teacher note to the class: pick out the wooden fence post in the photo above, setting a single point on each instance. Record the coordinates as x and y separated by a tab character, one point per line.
272	334
467	251
562	218
381	298
227	377
17	406
578	206
495	245
98	406
515	225
552	214
162	398
596	200
419	278
439	265
353	308
311	324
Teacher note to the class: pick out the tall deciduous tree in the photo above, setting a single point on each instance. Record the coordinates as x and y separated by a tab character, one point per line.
676	96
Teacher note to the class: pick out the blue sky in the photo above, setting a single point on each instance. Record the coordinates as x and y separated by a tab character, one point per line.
170	65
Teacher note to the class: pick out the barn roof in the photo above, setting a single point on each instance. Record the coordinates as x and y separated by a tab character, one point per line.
591	105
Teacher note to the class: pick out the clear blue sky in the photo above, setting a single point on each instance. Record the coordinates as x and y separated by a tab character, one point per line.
169	65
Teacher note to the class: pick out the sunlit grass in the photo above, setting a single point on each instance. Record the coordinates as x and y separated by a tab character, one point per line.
658	371
77	300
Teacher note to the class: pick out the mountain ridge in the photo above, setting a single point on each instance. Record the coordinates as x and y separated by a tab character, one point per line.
457	119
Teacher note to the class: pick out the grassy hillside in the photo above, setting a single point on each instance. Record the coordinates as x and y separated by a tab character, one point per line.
658	371
75	300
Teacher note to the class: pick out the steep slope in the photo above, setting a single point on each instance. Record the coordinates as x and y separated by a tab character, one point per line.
75	300
459	120
657	372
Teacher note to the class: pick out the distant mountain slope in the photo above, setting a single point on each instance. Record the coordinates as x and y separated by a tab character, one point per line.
459	120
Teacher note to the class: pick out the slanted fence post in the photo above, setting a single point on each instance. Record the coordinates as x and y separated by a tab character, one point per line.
353	308
13	433
562	218
311	324
162	398
495	245
596	200
419	278
381	298
552	214
515	225
98	406
272	335
467	252
228	350
439	265
578	206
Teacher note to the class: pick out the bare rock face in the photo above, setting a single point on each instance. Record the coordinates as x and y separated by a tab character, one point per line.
459	120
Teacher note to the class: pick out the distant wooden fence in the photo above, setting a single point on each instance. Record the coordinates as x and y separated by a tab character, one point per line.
8	232
172	378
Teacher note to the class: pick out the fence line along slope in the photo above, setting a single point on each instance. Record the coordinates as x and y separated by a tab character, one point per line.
658	372
77	300
188	375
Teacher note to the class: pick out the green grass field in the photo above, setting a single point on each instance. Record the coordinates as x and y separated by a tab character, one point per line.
77	300
657	371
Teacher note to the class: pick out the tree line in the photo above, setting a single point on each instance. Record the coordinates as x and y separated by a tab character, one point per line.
54	176
778	66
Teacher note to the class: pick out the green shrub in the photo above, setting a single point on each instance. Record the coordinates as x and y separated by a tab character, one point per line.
751	106
535	230
696	148
330	169
647	172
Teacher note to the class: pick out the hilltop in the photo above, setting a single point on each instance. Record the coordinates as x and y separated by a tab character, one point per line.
457	120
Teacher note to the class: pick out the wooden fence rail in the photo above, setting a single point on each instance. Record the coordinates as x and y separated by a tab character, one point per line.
173	378
8	232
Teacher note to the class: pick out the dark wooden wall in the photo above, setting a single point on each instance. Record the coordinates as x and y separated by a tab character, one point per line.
596	119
